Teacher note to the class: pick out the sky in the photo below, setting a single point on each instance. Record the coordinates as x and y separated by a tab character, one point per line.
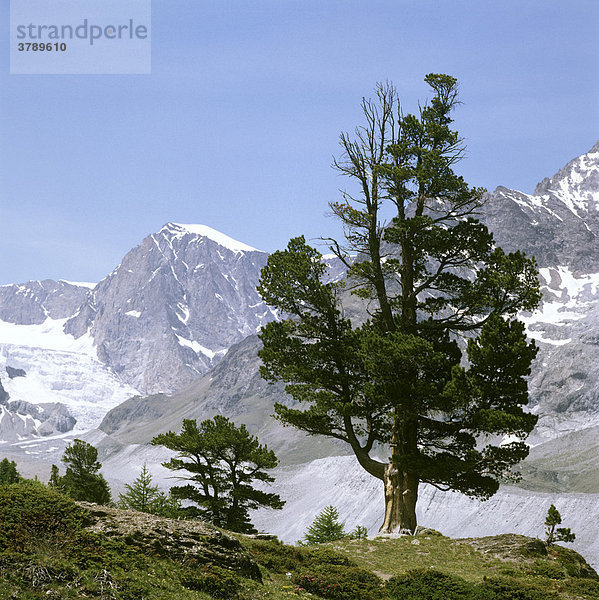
238	122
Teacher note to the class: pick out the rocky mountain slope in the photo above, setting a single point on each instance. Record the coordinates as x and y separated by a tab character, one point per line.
184	301
174	306
233	388
559	225
163	317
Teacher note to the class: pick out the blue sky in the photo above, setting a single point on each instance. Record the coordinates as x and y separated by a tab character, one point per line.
237	125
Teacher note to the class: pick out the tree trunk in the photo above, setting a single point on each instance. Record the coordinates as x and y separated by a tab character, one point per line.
401	494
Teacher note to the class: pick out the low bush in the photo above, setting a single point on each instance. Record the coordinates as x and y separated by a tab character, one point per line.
215	581
428	584
572	562
340	582
276	556
33	514
281	558
326	556
545	568
584	588
499	588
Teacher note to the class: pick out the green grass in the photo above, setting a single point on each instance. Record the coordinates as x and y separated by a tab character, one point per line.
59	557
560	575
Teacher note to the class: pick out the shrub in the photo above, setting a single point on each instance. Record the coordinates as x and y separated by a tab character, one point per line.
422	584
499	588
550	569
215	581
572	562
32	514
428	584
276	556
281	558
585	588
340	582
326	556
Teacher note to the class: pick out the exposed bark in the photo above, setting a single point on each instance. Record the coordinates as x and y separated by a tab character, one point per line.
401	495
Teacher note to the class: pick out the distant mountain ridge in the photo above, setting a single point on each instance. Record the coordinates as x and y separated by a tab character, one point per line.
559	222
559	225
174	306
181	310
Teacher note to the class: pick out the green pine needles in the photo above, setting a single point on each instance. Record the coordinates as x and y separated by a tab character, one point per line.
434	366
8	472
224	460
82	479
554	533
325	528
142	496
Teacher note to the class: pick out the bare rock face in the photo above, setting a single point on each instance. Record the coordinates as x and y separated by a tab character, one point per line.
559	225
12	372
174	306
33	302
3	394
20	419
233	388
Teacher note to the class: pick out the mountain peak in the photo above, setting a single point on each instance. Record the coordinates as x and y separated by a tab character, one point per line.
181	229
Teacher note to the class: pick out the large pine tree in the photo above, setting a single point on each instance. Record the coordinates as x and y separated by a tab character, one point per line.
433	284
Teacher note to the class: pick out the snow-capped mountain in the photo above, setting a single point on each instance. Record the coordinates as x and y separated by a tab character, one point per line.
183	303
33	302
174	306
168	312
559	225
60	384
559	222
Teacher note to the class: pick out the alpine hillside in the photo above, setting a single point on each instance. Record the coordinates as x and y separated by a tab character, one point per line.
179	315
173	307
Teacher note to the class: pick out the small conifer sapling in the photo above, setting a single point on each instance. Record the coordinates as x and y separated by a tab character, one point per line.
325	528
554	533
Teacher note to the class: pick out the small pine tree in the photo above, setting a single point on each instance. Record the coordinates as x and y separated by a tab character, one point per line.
561	534
359	533
8	472
141	493
55	481
166	505
82	480
325	528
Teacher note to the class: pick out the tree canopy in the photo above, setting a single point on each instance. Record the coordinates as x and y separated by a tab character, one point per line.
222	461
82	480
435	367
325	528
8	472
